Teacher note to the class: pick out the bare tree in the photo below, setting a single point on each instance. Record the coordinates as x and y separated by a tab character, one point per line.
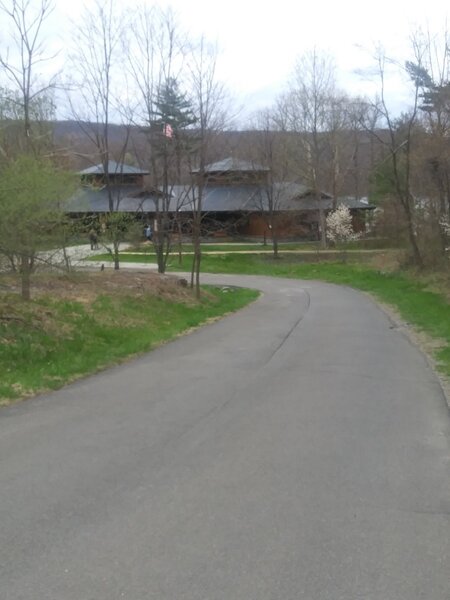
431	70
399	146
209	105
271	152
23	59
363	117
342	142
97	59
306	110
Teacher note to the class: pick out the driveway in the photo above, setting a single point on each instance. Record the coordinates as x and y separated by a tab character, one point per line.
298	449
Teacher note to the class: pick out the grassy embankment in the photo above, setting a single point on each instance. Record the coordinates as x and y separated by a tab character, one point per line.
55	339
417	299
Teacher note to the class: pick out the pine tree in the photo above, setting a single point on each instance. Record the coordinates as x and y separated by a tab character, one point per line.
170	141
172	108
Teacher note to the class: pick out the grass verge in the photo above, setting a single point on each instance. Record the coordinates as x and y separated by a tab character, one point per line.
52	340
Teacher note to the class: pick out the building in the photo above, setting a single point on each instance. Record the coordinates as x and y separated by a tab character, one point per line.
238	198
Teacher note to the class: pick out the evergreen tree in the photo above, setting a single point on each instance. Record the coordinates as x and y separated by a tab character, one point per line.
170	143
172	108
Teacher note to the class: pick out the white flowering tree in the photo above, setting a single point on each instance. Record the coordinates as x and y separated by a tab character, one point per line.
340	225
445	226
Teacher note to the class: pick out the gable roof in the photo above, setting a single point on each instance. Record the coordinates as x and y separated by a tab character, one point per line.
113	168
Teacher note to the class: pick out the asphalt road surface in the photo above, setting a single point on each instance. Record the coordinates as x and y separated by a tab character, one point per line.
296	450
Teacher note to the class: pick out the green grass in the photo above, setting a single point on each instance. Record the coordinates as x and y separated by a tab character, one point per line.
224	255
146	252
48	342
230	247
149	249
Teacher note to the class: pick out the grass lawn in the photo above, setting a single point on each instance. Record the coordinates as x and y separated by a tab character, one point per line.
173	263
96	321
229	247
258	247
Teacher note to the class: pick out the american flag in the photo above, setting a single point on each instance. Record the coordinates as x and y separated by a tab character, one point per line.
168	130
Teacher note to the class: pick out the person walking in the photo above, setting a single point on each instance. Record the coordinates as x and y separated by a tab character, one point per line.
93	239
148	232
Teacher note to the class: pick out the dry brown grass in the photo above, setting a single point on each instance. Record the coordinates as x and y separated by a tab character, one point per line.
85	287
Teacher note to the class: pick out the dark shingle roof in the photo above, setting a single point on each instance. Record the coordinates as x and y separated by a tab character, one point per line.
219	198
253	198
233	165
96	200
114	168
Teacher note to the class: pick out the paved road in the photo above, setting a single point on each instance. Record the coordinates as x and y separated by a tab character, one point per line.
296	450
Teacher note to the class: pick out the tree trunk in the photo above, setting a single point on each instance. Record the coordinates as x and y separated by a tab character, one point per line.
162	241
195	274
116	255
322	224
198	256
159	243
411	235
25	272
66	258
274	242
180	242
159	254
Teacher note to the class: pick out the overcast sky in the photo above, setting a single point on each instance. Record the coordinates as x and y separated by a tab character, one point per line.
259	41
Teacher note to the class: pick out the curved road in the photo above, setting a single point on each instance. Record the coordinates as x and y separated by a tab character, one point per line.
296	450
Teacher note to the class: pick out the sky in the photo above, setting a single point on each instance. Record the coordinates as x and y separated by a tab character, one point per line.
260	41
